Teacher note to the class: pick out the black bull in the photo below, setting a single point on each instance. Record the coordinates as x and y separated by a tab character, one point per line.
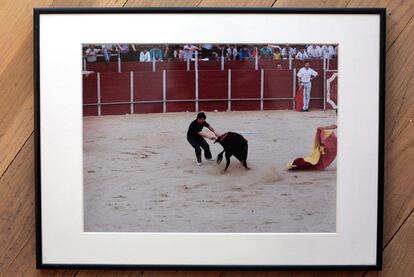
234	145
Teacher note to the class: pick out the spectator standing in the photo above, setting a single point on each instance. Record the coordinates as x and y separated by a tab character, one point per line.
244	53
91	53
189	50
288	51
266	53
179	53
207	51
314	52
144	56
107	50
156	54
124	51
305	76
302	55
255	52
168	52
274	47
219	50
328	51
277	55
232	52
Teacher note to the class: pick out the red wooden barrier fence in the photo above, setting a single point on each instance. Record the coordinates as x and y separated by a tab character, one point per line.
205	65
175	91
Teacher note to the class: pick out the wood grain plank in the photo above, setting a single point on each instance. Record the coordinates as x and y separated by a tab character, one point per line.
16	125
399	13
16	76
399	255
312	3
292	273
16	211
16	105
15	26
149	273
17	228
235	3
89	3
154	3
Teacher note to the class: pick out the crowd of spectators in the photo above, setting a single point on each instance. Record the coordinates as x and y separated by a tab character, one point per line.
207	52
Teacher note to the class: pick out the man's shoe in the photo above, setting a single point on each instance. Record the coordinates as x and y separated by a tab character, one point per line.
198	164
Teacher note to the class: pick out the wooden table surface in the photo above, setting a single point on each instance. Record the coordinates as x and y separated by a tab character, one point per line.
17	228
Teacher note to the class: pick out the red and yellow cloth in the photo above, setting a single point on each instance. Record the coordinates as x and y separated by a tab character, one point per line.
299	99
322	155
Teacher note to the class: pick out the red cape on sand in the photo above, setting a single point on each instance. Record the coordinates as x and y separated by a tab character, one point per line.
299	99
323	153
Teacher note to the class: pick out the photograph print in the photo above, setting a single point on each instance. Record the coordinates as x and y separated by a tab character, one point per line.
210	138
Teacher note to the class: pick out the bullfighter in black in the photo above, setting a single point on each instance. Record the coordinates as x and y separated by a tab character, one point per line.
196	138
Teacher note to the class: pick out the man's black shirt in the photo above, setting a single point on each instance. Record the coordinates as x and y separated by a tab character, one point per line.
195	128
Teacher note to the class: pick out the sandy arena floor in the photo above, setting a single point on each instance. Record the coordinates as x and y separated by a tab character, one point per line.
140	175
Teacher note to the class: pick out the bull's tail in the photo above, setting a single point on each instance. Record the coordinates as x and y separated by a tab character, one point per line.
220	157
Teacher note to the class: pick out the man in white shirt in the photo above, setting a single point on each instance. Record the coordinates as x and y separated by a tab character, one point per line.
328	51
288	51
232	52
188	51
314	52
144	56
302	55
91	53
305	76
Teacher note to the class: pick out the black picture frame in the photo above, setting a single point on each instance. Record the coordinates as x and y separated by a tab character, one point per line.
381	13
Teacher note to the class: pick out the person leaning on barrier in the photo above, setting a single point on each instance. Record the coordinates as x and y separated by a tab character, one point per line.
314	51
288	51
244	53
232	52
207	51
91	53
168	52
302	55
277	55
189	50
124	51
266	53
107	50
144	56
156	53
328	51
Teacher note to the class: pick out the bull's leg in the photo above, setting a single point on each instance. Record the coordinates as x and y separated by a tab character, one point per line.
246	149
244	162
220	157
227	161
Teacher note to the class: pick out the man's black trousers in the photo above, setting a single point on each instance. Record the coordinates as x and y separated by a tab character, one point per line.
198	143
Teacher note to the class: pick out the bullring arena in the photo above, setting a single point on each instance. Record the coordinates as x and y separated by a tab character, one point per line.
140	173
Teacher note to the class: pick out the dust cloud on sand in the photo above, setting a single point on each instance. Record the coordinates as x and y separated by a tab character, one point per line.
140	175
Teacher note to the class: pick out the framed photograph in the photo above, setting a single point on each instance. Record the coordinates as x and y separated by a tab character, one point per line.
209	138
